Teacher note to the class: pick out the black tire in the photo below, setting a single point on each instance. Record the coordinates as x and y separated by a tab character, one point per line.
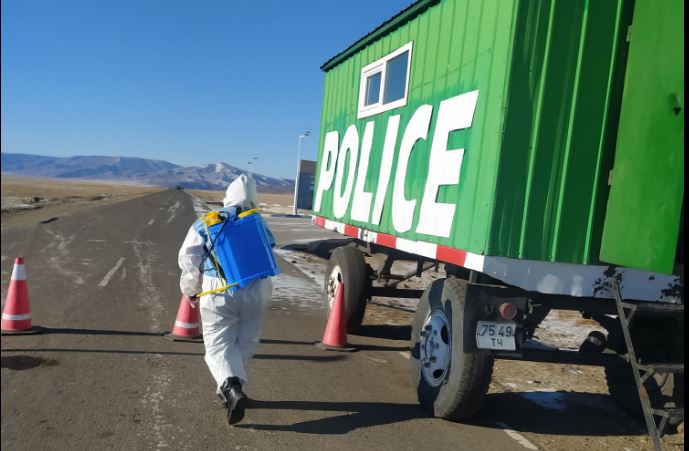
466	380
354	274
655	340
664	390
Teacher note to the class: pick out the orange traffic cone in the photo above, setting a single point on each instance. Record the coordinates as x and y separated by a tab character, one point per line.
16	317
335	336
187	323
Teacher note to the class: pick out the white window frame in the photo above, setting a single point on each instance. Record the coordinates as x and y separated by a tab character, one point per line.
380	65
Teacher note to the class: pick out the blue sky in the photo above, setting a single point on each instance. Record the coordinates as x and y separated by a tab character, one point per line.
187	82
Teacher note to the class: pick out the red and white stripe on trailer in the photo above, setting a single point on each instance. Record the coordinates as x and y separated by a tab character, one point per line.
531	275
425	249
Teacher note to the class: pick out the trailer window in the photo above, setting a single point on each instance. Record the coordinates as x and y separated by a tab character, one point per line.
373	89
384	83
396	78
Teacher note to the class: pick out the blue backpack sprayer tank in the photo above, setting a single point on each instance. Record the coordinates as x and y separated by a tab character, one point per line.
240	246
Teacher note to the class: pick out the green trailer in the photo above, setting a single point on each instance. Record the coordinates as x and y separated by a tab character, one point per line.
534	148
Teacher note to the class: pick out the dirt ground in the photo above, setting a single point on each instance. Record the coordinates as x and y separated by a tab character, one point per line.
28	200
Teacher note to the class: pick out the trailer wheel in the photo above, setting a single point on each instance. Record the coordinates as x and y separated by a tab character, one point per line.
654	341
450	374
664	390
347	264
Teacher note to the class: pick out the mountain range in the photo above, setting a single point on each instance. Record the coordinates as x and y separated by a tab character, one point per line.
214	176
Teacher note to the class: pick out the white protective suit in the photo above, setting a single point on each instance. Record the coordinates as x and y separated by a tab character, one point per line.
231	320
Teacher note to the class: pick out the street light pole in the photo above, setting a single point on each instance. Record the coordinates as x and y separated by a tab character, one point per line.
296	181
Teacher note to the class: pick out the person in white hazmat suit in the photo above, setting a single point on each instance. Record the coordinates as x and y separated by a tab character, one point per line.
231	320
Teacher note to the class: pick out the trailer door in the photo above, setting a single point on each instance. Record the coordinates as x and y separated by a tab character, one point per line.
642	220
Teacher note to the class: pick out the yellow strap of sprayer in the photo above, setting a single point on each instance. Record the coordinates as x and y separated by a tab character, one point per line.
247	213
216	290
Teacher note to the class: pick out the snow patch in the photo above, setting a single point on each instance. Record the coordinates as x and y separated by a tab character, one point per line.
297	291
566	329
547	398
200	207
315	271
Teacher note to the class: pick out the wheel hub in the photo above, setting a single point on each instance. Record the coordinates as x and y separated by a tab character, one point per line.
435	344
334	278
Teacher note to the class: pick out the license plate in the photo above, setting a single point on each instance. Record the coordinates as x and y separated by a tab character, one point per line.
495	335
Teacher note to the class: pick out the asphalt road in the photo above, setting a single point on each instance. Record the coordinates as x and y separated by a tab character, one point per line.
103	283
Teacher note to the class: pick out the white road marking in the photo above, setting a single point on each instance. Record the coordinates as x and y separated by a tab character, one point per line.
373	359
139	243
96	241
111	273
151	221
517	437
404	354
173	211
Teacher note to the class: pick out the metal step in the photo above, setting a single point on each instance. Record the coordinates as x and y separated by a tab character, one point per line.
655	307
655	430
662	367
669	413
666	415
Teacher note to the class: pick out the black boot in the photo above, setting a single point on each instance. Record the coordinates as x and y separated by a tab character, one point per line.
236	399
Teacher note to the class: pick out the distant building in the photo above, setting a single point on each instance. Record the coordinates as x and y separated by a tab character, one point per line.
307	176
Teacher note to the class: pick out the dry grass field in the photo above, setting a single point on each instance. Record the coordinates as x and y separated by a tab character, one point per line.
268	202
14	186
264	198
26	200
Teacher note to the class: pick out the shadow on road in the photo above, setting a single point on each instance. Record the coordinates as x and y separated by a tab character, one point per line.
581	414
362	347
50	330
387	331
561	413
321	248
355	415
285	342
307	358
104	351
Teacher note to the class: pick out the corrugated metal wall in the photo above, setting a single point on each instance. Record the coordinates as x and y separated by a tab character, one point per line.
536	152
556	155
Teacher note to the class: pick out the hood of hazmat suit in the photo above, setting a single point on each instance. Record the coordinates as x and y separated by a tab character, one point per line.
231	321
241	193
